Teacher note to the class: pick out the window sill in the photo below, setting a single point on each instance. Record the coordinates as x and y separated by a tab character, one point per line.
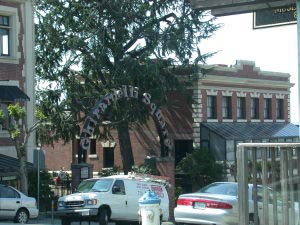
9	59
241	120
212	120
93	156
227	120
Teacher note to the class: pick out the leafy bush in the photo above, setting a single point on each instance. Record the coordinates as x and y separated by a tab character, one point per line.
45	189
201	168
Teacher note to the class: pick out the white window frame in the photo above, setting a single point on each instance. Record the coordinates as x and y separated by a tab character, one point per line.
14	28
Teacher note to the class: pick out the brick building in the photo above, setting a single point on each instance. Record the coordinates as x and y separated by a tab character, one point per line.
231	99
144	139
241	103
16	71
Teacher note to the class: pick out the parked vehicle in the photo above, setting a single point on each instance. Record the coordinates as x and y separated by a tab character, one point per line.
217	203
113	198
17	206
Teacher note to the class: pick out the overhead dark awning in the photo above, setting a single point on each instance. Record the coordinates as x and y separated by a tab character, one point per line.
246	131
10	166
12	94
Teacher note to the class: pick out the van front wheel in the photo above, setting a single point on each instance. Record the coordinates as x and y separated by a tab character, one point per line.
103	217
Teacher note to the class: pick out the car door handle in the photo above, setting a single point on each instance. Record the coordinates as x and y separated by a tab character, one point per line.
17	201
126	202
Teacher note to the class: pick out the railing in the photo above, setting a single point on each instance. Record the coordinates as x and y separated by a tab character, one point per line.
279	183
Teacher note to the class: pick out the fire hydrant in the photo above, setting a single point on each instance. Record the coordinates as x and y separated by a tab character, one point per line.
149	209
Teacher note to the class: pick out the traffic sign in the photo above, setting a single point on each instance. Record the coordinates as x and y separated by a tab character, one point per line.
275	17
230	7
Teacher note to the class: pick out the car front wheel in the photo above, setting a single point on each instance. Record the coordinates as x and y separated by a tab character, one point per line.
103	217
22	216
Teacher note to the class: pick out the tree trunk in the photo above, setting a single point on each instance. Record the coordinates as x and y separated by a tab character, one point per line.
125	147
23	175
22	157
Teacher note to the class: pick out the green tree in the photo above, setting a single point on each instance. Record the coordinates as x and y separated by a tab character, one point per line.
46	180
19	132
111	43
201	168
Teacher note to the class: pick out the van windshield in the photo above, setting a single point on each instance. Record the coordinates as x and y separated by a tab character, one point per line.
101	185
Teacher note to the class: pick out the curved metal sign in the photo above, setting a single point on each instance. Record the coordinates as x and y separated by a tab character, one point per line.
95	115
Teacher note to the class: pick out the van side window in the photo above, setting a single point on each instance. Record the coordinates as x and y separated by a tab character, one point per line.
118	187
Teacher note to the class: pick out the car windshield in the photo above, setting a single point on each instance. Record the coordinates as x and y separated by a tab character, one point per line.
101	185
220	188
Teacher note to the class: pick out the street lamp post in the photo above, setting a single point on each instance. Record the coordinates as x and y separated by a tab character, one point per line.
38	177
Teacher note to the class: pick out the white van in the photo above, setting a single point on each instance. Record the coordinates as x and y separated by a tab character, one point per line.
113	198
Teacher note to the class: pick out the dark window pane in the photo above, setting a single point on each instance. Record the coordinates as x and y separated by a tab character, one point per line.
241	108
226	107
254	108
7	192
211	107
108	157
118	187
182	147
279	108
93	149
267	108
4	20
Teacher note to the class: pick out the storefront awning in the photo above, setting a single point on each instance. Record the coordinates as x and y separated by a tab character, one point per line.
12	94
250	131
10	166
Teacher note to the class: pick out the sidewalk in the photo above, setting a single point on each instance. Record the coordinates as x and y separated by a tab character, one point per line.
42	220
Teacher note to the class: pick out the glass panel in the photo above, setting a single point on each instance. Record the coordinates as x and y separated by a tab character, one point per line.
254	108
211	102
108	157
241	108
267	108
7	192
4	41
93	149
4	20
119	188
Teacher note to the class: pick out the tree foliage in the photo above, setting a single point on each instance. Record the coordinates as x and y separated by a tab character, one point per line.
19	132
105	44
201	168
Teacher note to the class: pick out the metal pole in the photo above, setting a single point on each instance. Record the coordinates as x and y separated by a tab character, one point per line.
38	178
284	186
254	190
298	44
274	175
265	218
242	175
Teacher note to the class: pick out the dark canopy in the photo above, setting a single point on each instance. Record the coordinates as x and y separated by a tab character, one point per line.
12	94
239	131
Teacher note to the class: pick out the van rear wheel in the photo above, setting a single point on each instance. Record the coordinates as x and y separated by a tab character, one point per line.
65	221
103	217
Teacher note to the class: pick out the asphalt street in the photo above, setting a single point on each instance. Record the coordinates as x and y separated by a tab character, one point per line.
55	221
49	221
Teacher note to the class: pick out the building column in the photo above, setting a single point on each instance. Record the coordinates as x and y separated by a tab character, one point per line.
29	72
197	114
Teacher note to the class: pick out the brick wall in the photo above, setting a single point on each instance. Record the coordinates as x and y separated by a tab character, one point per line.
13	72
166	168
251	83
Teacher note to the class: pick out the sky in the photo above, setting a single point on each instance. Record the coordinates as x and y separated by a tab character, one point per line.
272	49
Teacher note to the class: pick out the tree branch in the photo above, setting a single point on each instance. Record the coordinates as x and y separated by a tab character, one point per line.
139	32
